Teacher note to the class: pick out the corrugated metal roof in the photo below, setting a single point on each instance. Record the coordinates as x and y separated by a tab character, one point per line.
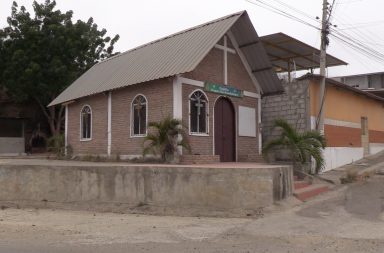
282	49
257	58
169	56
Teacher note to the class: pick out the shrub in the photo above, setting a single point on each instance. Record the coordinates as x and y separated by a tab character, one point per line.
56	144
163	139
301	146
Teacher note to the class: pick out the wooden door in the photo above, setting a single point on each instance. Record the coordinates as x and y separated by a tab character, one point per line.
225	139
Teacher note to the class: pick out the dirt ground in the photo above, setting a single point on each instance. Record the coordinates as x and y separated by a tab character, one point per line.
349	219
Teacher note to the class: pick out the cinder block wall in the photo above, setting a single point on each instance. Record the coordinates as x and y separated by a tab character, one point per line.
293	106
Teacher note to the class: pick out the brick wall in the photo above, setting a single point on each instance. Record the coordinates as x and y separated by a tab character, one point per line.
160	104
98	143
211	69
203	145
292	105
159	94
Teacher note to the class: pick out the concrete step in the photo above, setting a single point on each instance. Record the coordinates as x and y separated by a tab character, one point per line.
310	191
298	184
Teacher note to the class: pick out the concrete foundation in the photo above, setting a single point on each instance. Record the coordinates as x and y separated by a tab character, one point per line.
209	188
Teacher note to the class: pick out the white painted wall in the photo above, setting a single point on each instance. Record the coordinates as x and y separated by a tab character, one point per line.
375	148
338	156
247	121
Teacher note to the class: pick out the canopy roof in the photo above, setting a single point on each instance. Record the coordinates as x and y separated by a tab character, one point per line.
287	54
176	54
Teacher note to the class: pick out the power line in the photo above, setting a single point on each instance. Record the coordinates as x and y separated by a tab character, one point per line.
297	10
348	40
272	8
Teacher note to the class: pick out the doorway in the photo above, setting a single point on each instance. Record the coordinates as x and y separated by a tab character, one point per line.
225	129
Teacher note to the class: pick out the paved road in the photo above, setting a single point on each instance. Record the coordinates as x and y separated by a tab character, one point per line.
347	220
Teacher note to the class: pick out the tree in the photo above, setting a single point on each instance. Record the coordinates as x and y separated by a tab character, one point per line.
41	55
163	139
301	146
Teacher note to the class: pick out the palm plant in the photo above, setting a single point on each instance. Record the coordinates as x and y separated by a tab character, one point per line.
163	139
301	146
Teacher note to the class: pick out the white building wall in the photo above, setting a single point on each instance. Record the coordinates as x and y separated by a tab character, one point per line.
338	156
375	148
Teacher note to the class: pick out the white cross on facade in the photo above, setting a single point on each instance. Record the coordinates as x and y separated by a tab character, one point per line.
225	49
199	105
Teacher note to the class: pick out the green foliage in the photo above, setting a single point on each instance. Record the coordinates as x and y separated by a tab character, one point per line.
41	55
302	146
56	144
163	138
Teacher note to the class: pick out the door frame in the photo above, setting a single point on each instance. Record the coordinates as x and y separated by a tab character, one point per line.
213	124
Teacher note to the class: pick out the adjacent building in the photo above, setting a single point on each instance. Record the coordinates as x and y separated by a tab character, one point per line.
353	119
369	81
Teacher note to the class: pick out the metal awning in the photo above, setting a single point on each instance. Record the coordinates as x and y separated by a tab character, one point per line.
288	54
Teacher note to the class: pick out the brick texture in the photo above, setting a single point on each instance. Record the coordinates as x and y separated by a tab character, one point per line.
159	94
98	144
159	105
203	145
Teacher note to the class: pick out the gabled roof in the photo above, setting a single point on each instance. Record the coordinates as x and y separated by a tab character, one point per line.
175	54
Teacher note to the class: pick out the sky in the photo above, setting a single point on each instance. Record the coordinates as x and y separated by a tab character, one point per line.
139	22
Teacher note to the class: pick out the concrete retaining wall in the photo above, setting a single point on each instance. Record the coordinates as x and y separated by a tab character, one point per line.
208	189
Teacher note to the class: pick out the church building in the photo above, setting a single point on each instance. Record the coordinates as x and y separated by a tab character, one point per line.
211	76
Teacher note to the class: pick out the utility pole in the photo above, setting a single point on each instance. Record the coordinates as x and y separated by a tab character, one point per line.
323	55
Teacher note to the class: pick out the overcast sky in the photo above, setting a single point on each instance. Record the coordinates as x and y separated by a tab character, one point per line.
138	22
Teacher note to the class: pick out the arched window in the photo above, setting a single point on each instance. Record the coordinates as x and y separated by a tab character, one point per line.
198	116
86	123
139	116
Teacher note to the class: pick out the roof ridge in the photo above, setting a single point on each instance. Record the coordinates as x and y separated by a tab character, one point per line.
173	35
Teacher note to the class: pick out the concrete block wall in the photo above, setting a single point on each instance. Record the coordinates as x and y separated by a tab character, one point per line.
293	106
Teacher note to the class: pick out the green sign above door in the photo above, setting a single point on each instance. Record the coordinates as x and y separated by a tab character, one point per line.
223	89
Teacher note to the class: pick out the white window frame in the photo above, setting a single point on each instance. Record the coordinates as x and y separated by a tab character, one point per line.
132	118
81	123
207	114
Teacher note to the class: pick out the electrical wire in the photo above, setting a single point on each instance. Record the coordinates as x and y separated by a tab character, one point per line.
272	8
345	38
